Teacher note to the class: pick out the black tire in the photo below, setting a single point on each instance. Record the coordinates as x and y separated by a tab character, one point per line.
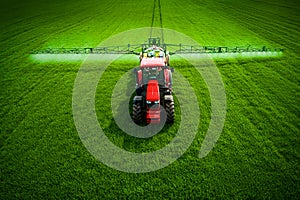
137	113
169	107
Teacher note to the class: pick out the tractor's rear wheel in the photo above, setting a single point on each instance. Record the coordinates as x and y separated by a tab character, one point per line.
169	107
137	113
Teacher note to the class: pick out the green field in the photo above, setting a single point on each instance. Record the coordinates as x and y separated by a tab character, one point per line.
257	155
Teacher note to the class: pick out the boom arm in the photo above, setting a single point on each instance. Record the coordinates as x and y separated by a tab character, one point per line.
172	48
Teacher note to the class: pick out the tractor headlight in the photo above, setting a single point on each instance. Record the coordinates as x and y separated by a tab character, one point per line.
148	102
156	101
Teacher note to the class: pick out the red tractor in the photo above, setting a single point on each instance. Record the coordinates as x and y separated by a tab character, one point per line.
153	87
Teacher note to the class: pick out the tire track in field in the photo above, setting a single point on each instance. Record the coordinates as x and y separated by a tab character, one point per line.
224	15
19	45
245	15
31	33
41	83
269	81
274	109
208	25
260	16
284	27
272	12
56	21
270	36
257	98
273	99
8	55
37	23
268	33
13	59
23	48
21	51
95	15
25	101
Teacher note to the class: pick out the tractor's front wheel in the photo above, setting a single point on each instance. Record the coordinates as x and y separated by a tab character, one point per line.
137	113
169	107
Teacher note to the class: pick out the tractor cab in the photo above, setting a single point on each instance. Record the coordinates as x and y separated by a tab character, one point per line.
152	69
154	52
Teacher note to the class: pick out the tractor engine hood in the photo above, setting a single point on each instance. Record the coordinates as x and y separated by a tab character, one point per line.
152	91
152	100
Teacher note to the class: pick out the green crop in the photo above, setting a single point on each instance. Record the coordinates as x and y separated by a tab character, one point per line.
257	155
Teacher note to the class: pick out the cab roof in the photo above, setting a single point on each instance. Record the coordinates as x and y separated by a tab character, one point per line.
152	62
